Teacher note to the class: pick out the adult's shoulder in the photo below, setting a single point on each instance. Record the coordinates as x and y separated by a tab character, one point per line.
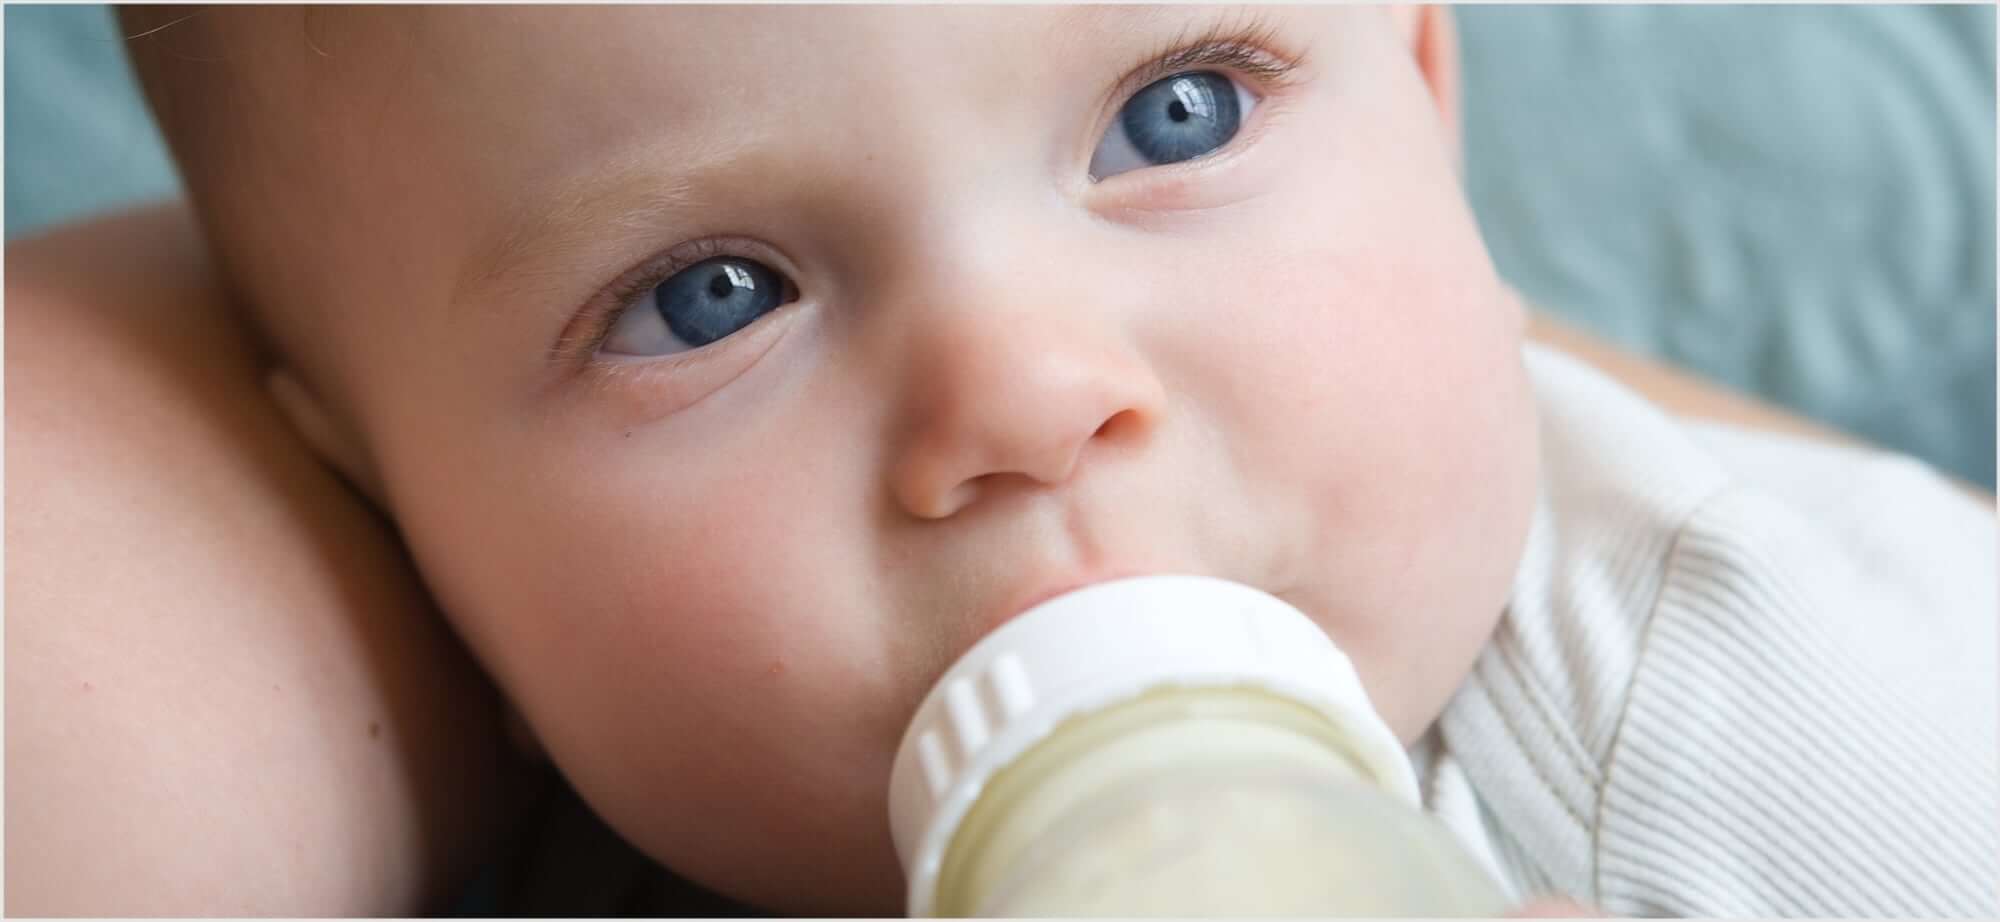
227	692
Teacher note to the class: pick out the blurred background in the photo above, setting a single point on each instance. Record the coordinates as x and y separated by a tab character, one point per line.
1795	201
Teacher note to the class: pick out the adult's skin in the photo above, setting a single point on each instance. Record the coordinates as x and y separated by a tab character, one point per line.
227	693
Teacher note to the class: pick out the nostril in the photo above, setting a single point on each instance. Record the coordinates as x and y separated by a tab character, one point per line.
1115	427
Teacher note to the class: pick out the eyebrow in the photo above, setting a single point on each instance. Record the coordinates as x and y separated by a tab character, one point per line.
1074	22
612	201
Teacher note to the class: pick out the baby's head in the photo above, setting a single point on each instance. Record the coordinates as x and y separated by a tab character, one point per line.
729	371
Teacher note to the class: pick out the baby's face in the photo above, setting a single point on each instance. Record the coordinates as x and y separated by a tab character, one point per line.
731	371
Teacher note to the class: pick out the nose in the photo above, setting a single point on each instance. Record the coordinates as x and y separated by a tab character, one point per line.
1015	397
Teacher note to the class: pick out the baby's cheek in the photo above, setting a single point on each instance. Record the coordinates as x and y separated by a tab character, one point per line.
724	678
1385	390
727	590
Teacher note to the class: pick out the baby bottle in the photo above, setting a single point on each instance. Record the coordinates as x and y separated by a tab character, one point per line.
1166	745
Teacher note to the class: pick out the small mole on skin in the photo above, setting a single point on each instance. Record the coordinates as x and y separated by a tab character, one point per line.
87	686
374	730
628	433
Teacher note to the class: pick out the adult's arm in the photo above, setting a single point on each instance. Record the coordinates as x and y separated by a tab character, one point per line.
226	691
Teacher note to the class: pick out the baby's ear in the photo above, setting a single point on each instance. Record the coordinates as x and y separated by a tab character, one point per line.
1432	37
325	433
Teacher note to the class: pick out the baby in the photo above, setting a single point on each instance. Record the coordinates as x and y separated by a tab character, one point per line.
730	371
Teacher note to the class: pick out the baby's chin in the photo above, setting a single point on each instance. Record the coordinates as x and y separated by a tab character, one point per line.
1414	650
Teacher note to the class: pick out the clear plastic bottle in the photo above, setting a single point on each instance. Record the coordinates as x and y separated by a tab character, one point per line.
1166	746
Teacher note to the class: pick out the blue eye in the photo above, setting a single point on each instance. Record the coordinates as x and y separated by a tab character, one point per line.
697	306
1178	118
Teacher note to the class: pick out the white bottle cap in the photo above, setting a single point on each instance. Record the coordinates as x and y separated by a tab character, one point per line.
1095	647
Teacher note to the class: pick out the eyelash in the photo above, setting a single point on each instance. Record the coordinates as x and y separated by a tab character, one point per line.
1249	47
